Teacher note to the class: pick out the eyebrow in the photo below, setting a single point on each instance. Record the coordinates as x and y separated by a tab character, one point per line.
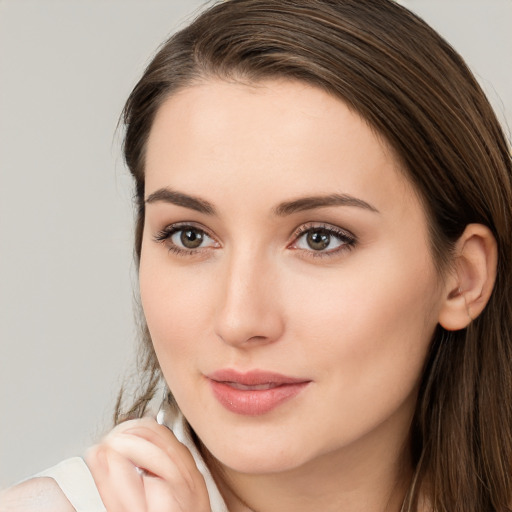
167	195
310	203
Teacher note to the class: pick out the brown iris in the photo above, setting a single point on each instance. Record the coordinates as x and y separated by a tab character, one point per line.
318	240
191	238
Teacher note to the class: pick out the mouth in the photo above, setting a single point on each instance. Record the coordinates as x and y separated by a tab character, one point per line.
256	387
254	393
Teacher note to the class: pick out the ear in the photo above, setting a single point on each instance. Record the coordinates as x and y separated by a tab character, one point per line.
469	286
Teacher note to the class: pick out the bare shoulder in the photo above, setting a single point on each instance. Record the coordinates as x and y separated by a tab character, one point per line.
35	495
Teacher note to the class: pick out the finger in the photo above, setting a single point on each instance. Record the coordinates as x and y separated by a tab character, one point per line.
152	458
138	422
162	497
183	492
170	484
119	485
125	483
164	438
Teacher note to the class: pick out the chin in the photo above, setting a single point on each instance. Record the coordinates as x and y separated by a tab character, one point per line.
256	458
259	465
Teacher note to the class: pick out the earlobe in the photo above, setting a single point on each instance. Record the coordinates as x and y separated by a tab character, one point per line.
469	287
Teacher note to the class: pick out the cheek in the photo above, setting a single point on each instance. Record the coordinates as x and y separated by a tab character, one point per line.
365	324
176	307
370	322
366	334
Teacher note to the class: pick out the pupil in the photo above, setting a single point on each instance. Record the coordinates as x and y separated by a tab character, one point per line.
318	240
191	239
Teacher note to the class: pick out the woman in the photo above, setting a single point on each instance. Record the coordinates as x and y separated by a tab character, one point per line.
323	236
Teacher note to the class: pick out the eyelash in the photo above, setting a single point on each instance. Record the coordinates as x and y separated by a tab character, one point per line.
164	237
347	239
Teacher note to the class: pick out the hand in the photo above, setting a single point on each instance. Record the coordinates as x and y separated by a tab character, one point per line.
169	480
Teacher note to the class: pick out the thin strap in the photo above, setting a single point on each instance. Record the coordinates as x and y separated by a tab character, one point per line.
76	482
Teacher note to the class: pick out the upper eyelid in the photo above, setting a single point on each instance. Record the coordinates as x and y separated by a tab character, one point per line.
348	239
308	226
164	237
178	226
300	230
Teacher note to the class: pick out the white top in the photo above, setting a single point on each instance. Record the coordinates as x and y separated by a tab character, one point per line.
76	482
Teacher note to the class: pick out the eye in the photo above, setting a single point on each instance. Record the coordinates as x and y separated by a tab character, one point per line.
190	238
185	238
322	240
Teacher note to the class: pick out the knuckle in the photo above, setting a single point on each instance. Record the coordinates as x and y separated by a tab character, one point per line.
96	453
138	422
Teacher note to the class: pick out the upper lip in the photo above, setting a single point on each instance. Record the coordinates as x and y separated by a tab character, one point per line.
253	377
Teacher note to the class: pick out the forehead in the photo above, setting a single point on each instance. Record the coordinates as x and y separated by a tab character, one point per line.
276	138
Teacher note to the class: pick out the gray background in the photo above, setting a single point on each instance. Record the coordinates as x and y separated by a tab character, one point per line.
66	272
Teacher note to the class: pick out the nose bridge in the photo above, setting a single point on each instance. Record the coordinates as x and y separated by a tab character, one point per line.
248	309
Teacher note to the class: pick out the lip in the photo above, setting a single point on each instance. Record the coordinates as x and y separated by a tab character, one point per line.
253	393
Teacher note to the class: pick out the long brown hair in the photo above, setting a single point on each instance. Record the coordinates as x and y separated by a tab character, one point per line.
416	92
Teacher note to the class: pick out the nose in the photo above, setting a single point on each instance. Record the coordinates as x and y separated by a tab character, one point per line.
249	312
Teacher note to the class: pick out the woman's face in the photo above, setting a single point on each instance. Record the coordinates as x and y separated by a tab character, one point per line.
285	275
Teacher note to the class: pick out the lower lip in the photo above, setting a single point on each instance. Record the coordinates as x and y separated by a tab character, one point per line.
254	402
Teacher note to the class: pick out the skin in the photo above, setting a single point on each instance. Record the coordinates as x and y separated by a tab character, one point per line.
354	320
